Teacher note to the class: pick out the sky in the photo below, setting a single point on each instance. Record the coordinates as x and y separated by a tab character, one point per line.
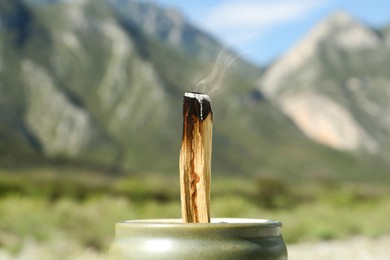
262	30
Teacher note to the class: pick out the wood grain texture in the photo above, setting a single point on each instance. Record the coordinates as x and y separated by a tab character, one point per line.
195	159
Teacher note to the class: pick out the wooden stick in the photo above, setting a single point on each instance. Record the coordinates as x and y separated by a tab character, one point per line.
195	158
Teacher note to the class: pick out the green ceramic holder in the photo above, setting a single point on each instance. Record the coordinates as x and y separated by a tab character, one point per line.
223	238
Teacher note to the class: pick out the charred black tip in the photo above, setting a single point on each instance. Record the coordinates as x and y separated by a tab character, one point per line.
196	104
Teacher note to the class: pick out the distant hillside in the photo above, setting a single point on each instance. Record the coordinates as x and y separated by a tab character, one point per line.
101	83
335	85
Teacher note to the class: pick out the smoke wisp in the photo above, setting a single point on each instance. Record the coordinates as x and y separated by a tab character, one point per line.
213	81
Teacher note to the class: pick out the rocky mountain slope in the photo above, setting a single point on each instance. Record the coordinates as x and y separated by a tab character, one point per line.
101	82
85	80
335	85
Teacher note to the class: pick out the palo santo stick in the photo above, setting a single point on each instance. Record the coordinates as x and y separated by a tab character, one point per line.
195	158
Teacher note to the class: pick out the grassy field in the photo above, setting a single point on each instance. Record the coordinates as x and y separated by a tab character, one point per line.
72	213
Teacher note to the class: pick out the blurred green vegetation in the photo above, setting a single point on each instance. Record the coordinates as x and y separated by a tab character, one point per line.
83	206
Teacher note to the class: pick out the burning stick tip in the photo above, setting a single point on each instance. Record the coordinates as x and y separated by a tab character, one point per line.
199	96
201	102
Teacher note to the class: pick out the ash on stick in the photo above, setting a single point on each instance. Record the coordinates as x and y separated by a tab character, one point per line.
195	158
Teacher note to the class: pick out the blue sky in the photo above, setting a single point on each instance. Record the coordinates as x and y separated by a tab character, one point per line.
264	29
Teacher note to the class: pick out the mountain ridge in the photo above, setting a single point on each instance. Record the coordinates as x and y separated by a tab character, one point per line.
92	86
327	65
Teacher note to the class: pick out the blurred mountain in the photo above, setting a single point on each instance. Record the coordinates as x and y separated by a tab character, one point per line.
87	80
101	83
334	85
